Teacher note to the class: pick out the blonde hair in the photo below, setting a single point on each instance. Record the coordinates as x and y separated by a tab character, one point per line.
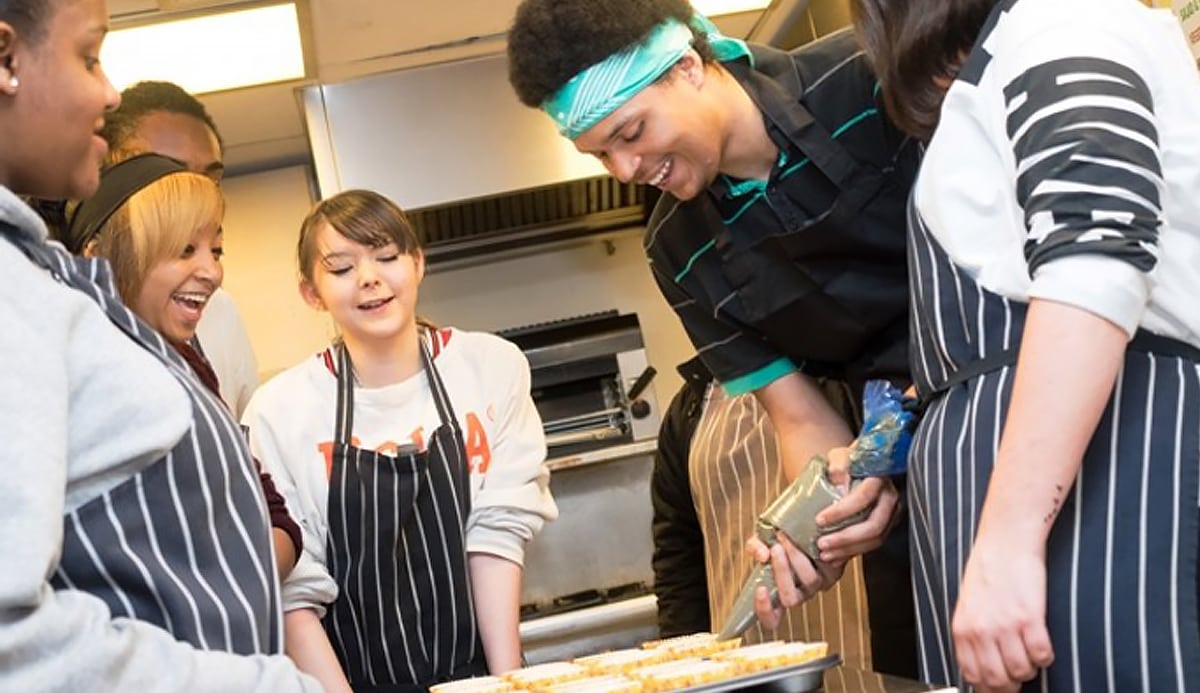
155	224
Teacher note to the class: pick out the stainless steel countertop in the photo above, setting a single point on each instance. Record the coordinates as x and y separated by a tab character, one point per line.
612	452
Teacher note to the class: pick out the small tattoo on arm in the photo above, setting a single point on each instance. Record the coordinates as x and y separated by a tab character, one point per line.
1057	501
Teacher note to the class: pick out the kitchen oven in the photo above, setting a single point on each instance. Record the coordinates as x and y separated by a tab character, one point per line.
588	575
591	381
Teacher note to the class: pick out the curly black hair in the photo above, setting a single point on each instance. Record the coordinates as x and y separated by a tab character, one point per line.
551	41
152	97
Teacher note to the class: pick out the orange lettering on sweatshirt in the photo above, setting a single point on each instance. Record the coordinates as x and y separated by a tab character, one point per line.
326	450
479	454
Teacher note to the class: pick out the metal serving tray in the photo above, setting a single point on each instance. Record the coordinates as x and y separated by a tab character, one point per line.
799	678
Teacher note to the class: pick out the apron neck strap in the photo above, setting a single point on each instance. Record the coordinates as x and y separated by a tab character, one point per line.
441	399
344	425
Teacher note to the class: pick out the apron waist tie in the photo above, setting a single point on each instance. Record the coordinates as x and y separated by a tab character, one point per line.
1143	341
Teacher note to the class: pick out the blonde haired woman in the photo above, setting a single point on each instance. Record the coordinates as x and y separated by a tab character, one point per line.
159	225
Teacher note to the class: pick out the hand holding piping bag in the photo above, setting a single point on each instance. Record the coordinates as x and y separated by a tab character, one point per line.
851	522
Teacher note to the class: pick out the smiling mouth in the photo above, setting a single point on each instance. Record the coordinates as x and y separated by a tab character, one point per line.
373	304
663	172
194	300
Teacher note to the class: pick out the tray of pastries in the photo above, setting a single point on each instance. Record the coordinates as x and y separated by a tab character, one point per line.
697	663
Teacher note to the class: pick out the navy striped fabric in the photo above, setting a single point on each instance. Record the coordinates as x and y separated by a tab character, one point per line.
185	543
405	612
1121	558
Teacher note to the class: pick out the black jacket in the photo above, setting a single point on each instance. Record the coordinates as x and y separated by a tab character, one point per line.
680	576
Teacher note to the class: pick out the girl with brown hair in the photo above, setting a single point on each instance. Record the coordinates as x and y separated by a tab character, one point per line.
415	459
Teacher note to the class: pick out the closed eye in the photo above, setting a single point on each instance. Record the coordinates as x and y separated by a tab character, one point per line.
636	133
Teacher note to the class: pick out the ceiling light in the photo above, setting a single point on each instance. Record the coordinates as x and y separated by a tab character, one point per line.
209	53
712	8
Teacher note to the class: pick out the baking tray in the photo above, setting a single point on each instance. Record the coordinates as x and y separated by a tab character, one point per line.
798	678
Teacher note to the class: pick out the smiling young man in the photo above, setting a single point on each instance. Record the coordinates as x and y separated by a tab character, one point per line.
779	238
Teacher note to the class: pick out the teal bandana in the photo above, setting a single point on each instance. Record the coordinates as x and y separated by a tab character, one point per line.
593	94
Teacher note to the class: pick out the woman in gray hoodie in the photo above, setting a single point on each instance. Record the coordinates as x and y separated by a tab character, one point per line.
133	536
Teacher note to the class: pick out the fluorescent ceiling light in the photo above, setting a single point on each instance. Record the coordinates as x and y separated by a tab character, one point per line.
712	8
211	52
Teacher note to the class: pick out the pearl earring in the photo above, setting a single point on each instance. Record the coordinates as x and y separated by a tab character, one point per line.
13	82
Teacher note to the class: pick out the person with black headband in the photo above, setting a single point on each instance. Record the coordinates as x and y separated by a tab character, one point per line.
779	238
134	546
159	224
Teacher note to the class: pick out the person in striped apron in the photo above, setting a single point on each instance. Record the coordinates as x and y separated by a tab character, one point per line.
416	461
1055	269
134	538
716	469
778	238
160	226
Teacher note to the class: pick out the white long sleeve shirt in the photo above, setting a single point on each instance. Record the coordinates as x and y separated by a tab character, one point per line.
291	423
1066	164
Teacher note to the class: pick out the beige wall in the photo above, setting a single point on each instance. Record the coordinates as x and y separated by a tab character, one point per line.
263	218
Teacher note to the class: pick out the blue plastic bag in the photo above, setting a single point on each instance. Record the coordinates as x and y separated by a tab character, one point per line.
882	447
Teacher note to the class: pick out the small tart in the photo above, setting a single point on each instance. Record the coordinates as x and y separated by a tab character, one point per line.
621	661
682	673
540	676
479	684
772	655
694	645
597	684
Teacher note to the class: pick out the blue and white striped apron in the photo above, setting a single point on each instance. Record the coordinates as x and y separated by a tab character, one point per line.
404	618
185	543
1121	557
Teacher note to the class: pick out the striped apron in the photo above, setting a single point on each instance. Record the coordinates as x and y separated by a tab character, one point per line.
404	618
1121	557
185	543
735	473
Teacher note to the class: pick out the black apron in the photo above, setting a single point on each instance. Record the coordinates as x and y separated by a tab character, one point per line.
830	291
404	618
185	543
1121	599
827	289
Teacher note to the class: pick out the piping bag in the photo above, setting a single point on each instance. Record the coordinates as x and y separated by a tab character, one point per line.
880	450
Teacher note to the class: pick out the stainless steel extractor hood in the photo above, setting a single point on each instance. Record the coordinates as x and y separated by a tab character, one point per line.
478	171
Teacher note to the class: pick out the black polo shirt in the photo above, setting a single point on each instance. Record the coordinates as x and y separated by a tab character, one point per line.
691	244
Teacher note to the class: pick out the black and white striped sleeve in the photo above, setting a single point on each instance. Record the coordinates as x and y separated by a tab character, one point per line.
1088	171
1089	180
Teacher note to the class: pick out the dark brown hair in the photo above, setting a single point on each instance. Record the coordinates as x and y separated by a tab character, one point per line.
365	217
27	16
911	44
551	41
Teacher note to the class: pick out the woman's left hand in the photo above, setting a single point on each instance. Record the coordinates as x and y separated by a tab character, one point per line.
999	624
